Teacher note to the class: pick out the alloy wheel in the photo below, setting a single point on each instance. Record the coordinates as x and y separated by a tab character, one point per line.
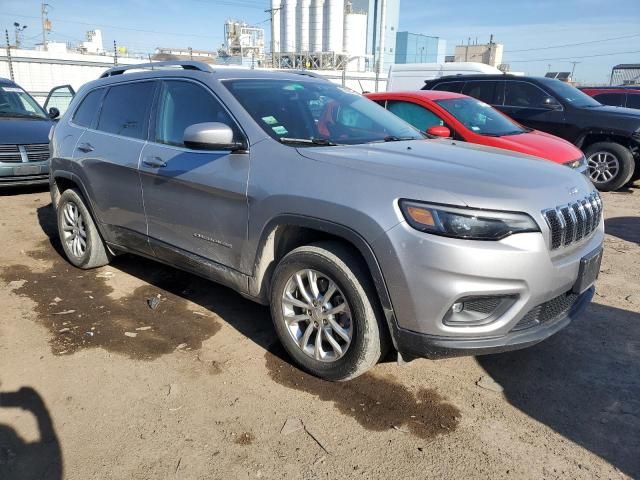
317	315
603	166
73	230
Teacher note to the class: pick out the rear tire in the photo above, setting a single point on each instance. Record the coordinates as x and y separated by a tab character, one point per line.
610	164
78	233
358	336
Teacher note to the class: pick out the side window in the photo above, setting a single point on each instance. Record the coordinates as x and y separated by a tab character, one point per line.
527	95
449	87
482	90
86	113
60	98
615	99
633	100
126	108
183	104
416	115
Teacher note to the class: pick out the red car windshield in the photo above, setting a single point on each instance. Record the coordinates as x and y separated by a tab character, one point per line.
480	118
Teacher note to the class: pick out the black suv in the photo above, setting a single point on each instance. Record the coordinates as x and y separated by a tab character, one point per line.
609	136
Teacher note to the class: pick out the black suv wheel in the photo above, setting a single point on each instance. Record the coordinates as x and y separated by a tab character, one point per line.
610	165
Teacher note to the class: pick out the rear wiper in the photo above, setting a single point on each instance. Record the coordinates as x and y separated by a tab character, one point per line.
310	141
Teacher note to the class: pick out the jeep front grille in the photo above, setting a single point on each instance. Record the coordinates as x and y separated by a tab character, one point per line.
572	222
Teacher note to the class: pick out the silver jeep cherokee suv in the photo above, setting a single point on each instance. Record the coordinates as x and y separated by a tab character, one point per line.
360	233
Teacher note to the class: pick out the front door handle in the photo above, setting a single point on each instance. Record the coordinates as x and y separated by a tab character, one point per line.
85	147
154	162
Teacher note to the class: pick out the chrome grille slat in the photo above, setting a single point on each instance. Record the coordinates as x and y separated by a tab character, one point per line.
573	222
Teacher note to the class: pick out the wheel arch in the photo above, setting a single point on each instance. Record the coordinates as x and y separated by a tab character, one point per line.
286	232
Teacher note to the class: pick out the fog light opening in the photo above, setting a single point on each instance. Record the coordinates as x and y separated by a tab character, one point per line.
478	310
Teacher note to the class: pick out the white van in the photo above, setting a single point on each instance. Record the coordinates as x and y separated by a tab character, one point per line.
411	76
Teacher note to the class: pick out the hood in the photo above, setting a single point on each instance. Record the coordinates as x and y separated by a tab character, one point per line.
23	131
606	117
541	145
473	175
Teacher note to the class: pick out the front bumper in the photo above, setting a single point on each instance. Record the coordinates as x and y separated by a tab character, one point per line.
23	174
412	344
427	274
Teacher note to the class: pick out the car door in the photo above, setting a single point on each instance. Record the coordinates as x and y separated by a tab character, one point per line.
615	99
419	116
533	107
109	154
195	200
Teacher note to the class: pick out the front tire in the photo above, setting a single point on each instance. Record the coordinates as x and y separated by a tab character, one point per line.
78	233
611	165
325	311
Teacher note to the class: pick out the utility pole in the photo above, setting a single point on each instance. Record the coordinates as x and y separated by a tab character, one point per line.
115	53
190	53
46	24
383	28
573	69
272	12
6	33
18	29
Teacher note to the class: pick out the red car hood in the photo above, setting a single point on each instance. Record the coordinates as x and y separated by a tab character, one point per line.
539	144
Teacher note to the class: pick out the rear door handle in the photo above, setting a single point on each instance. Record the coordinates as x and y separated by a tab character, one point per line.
154	162
85	147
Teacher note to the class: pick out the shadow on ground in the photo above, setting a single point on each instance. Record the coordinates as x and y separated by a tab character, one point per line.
22	460
584	383
625	228
9	191
79	310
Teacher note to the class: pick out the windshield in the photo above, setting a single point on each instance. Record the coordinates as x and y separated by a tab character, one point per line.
480	118
306	112
571	94
15	102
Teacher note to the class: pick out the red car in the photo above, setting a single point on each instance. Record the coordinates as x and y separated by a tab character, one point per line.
616	96
448	114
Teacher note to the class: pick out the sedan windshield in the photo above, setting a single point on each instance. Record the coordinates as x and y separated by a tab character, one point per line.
15	102
317	113
480	118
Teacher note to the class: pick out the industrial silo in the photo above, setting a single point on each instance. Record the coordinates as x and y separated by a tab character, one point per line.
333	25
316	14
288	26
355	38
302	26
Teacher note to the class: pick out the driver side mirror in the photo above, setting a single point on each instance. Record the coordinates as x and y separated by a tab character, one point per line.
439	131
552	104
211	136
54	113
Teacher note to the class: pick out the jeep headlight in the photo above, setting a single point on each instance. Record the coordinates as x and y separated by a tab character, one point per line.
468	223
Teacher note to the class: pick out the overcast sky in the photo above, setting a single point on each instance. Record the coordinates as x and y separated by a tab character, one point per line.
525	27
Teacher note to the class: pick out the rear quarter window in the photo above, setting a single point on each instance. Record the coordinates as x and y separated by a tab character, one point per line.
633	100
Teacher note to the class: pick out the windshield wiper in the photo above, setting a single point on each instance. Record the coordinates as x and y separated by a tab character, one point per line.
395	138
310	141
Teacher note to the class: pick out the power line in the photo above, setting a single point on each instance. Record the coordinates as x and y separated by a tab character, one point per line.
574	44
573	57
117	27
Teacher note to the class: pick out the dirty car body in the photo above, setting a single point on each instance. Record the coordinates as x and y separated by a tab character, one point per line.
459	249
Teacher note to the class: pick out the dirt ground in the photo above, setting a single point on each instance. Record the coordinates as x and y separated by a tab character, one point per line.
94	384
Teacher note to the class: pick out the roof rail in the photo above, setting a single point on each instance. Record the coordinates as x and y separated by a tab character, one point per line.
184	64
